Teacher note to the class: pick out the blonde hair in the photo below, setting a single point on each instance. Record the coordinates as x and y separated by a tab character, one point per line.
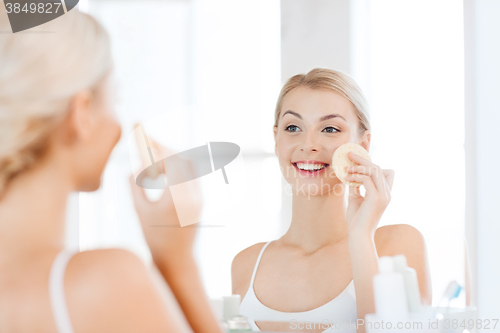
41	70
329	79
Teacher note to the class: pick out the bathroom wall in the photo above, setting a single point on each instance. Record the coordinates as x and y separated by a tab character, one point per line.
482	84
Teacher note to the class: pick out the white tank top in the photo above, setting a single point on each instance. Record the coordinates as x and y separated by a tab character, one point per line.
56	291
340	311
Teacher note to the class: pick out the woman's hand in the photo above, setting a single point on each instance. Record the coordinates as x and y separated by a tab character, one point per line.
364	213
171	245
169	242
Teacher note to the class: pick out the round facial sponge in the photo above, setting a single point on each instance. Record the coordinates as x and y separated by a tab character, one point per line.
341	161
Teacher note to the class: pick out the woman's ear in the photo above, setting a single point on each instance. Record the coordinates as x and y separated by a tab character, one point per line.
79	123
275	140
365	140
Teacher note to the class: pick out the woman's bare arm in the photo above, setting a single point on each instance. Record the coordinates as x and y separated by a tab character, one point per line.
363	215
184	279
364	265
171	242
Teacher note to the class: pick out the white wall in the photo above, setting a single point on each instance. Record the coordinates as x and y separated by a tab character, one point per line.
418	124
482	74
314	33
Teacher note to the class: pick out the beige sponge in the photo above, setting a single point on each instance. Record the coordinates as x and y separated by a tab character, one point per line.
341	161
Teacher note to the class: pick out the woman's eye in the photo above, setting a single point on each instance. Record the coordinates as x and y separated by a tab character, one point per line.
333	129
291	126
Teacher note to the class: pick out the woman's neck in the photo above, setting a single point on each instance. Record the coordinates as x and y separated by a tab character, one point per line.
32	211
317	221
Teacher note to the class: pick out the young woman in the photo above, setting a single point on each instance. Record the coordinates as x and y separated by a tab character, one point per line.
57	130
321	269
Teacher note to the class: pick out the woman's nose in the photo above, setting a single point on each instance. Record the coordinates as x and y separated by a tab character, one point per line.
309	144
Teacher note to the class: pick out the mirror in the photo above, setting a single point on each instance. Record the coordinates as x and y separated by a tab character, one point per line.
215	70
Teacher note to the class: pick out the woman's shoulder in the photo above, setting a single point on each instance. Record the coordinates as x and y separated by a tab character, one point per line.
247	257
101	262
104	269
110	258
391	239
106	285
242	268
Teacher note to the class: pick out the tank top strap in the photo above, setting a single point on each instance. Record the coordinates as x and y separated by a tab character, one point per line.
257	263
56	291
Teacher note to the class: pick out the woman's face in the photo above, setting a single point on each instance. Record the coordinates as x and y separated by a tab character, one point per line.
313	124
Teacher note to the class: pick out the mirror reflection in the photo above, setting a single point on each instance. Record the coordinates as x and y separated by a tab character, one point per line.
412	79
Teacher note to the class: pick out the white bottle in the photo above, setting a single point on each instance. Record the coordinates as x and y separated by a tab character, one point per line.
218	308
411	283
231	306
235	321
389	292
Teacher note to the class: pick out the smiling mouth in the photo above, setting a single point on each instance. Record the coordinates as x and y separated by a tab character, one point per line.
310	167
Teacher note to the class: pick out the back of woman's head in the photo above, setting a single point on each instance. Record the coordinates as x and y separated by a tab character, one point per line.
41	69
333	80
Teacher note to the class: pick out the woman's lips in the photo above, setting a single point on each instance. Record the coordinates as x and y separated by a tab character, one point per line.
306	173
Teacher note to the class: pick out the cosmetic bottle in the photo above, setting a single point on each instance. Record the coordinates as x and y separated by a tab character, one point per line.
235	321
410	281
218	308
389	291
